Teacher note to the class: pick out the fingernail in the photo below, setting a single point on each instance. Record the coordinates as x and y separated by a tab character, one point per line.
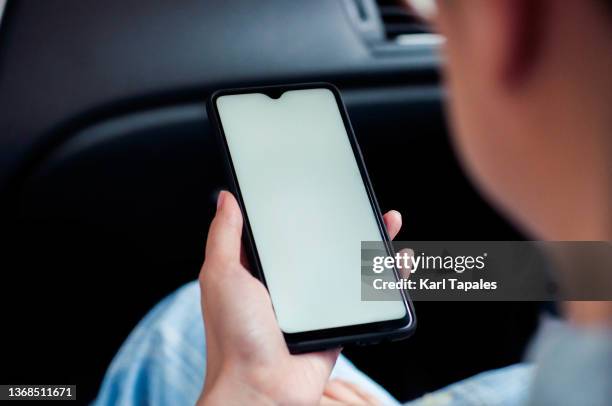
220	199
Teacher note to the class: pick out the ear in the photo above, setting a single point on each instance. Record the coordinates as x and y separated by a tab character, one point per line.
528	20
500	37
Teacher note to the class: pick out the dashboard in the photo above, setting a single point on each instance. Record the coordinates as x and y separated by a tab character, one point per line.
83	63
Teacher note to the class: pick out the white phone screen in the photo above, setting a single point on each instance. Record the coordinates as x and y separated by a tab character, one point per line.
307	205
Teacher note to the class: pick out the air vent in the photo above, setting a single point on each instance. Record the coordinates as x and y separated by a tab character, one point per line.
390	28
398	21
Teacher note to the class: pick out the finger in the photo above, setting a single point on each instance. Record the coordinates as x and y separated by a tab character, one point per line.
336	390
327	401
224	236
322	361
330	357
244	258
393	222
405	269
367	397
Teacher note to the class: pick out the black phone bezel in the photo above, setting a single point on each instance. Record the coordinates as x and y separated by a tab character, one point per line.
367	333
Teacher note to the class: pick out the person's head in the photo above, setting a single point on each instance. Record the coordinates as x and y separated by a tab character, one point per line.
530	92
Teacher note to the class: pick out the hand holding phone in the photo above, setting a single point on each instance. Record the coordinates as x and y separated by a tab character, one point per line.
247	358
304	192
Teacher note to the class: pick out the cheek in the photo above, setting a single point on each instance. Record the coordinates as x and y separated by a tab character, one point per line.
470	144
480	127
467	116
500	165
473	113
478	141
467	120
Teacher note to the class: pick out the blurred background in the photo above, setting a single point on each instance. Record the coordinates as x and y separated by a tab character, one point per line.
108	169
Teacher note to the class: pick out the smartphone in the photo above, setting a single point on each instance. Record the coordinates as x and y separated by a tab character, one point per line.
299	177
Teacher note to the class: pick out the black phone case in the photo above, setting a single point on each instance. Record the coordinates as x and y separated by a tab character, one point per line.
334	337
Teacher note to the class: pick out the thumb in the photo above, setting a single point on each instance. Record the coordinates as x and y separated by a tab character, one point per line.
224	235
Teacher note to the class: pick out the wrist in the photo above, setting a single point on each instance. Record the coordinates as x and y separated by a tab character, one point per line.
226	392
230	387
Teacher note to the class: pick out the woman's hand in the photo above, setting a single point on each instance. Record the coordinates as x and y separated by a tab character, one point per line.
339	392
247	359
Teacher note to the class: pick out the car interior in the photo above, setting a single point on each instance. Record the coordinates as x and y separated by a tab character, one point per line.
109	169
